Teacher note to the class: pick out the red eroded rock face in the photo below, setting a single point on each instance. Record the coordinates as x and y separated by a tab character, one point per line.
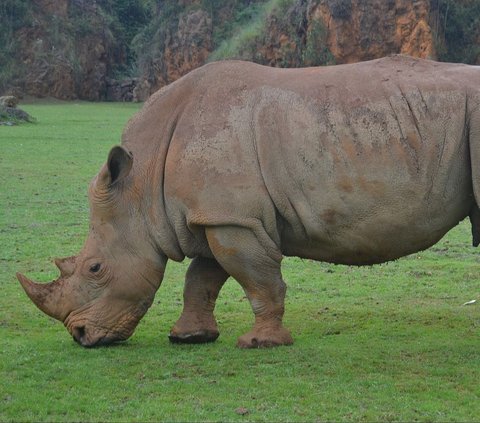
351	31
376	28
186	47
308	33
66	60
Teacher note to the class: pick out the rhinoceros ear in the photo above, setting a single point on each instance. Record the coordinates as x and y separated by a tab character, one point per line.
118	166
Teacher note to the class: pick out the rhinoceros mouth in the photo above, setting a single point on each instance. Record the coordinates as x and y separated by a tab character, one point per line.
80	336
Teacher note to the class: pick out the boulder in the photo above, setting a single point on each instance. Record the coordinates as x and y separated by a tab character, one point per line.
10	116
8	101
120	90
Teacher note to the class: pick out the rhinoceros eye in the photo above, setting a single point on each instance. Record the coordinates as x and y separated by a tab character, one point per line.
95	268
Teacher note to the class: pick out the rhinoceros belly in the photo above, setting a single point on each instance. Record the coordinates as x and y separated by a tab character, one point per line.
367	235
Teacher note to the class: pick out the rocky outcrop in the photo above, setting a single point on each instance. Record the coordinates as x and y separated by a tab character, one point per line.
8	101
120	90
348	31
61	58
70	48
306	33
368	29
186	47
9	113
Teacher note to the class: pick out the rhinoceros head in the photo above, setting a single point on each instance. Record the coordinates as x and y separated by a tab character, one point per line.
104	291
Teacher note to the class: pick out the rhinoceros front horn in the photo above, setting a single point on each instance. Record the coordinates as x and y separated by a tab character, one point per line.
45	296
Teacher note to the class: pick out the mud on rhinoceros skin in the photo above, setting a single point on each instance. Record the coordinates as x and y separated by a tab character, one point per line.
236	165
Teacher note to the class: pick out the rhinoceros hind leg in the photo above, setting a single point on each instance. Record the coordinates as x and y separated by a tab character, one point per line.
256	266
205	277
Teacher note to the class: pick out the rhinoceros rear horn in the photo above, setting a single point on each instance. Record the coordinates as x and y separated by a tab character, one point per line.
45	296
66	266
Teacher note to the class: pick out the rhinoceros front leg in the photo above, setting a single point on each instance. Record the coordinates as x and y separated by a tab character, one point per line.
256	266
204	279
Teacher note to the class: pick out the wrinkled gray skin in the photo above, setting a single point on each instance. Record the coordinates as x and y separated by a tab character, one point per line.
237	165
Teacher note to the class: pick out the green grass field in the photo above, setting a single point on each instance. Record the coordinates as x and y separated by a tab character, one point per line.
385	343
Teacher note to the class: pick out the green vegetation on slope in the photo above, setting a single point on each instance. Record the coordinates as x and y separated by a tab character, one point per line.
127	19
384	343
14	14
240	38
250	28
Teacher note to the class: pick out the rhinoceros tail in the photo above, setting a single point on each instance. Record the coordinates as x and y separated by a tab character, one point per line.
475	221
473	131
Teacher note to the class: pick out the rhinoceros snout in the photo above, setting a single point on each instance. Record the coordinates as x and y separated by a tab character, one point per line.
78	334
81	336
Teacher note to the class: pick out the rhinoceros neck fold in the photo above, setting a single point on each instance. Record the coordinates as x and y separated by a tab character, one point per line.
148	136
157	221
149	175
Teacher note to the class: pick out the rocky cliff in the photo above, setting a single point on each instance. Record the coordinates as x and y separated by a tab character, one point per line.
65	49
360	30
298	33
184	44
60	58
78	48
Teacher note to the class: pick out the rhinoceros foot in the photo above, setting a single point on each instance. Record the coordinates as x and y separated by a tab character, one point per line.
198	337
266	338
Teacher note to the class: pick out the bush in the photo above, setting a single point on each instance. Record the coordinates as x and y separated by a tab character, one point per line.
14	14
460	24
316	52
235	39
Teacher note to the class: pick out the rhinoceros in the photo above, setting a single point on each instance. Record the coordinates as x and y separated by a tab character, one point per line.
236	165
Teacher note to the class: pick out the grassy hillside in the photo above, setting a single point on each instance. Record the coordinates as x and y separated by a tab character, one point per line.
384	343
246	27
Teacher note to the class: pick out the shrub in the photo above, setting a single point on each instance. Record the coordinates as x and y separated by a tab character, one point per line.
14	14
460	24
316	52
237	39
